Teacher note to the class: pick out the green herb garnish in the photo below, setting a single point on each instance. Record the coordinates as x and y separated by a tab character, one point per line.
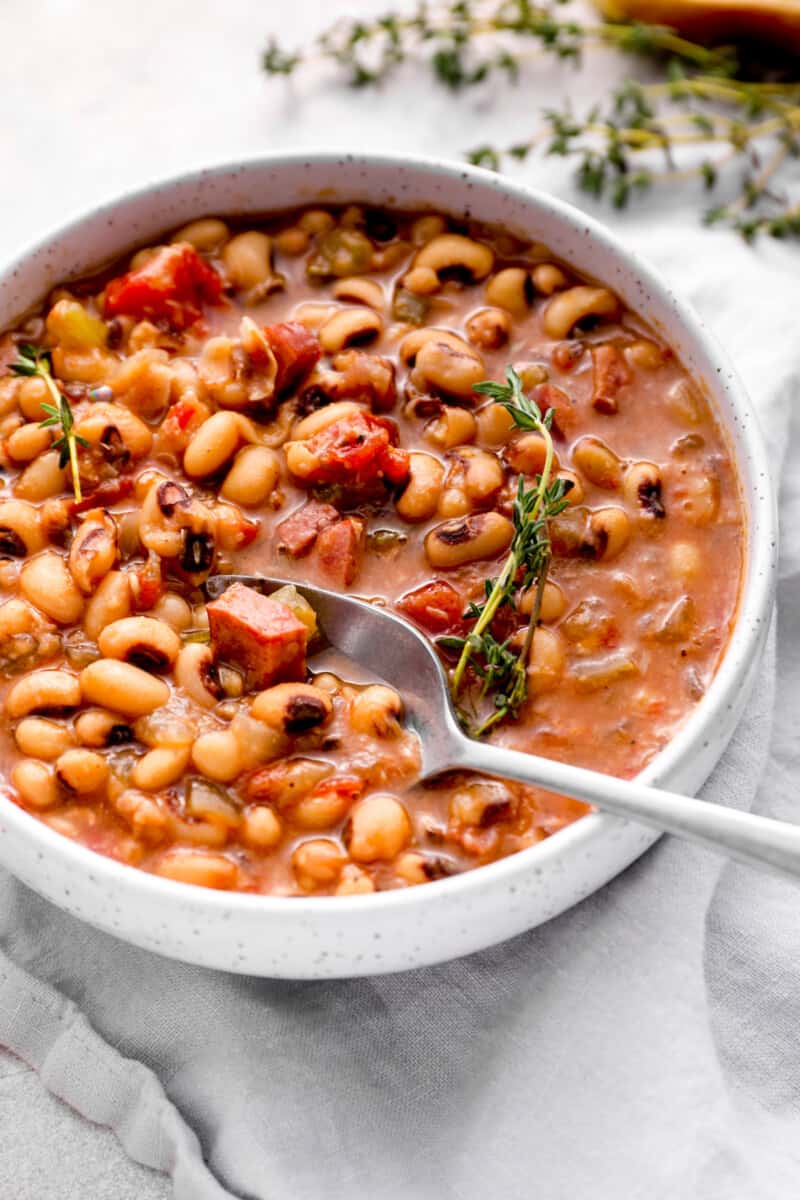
501	669
735	113
33	361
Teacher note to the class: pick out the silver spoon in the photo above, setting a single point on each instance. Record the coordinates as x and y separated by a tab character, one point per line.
390	649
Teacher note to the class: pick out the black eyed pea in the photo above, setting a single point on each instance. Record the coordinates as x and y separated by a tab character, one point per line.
47	583
217	755
531	374
354	882
448	369
27	442
452	427
683	403
111	602
477	471
527	454
468	539
453	256
422	281
159	768
215	443
21	530
39	738
315	422
36	784
42	478
261	829
93	550
206	234
43	692
611	531
642	489
292	241
146	642
420	497
511	289
148	820
196	675
646	355
174	610
598	463
699	498
489	328
413	342
99	728
315	221
553	604
454	501
248	260
31	395
317	863
545	660
479	805
427	227
122	687
358	290
376	710
198	867
350	327
567	309
112	425
548	278
495	424
293	708
575	493
377	828
82	771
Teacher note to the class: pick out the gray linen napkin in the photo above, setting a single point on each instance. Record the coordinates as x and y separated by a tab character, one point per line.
643	1044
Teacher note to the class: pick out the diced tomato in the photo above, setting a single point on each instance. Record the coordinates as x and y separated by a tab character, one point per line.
172	286
183	419
340	549
356	450
261	635
147	584
610	374
296	351
297	534
111	491
565	416
347	788
436	606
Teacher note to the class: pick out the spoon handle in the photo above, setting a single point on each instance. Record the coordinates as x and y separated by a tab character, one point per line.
760	841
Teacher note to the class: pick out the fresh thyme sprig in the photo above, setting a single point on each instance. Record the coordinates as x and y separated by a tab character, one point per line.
32	361
502	670
709	116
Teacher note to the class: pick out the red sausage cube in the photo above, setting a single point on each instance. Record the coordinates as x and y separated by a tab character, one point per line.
261	636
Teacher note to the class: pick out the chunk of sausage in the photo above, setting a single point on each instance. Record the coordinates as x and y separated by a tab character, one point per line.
297	351
610	374
340	549
297	534
259	635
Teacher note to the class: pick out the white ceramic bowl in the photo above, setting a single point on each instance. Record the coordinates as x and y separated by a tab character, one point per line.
392	931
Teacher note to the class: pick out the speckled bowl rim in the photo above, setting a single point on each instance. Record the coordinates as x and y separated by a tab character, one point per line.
755	608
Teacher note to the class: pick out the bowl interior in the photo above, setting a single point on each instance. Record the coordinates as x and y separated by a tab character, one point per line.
288	181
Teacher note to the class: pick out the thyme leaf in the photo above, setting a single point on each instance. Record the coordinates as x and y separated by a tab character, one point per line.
717	114
500	667
33	361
